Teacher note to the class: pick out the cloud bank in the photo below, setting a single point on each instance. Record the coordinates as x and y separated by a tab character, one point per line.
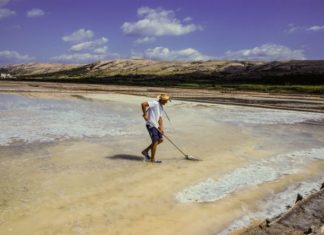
85	48
266	52
292	28
12	57
163	53
4	2
316	28
35	12
80	35
157	23
5	13
98	45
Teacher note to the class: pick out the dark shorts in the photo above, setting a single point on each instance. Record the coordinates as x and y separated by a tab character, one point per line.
154	133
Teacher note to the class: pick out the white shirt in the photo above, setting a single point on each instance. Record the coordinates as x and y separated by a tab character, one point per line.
154	113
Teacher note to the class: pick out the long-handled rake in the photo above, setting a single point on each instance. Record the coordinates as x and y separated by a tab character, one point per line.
187	157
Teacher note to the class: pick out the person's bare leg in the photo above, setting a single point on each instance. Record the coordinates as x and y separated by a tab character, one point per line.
145	151
153	150
154	147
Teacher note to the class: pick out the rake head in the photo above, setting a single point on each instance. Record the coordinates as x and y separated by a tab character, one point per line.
192	158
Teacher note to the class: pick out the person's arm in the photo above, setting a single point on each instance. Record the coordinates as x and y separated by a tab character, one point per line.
161	127
145	105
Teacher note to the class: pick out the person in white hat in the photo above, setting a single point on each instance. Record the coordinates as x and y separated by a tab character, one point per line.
152	114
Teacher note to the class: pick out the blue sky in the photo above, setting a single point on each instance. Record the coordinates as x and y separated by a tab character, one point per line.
71	31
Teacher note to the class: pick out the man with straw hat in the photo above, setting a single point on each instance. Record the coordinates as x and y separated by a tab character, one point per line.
152	113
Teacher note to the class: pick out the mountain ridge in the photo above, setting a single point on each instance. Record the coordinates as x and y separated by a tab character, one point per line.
140	71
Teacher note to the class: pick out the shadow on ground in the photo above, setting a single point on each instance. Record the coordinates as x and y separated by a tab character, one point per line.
128	157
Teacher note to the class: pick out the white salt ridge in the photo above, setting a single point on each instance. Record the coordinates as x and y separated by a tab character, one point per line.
274	205
35	120
255	174
260	116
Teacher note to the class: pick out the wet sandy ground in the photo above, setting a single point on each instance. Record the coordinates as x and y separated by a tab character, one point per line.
100	184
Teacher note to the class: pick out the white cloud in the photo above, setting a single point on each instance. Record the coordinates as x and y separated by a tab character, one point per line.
7	57
78	36
78	58
4	13
35	12
292	28
156	23
86	48
266	52
187	19
162	53
316	28
4	2
81	46
145	40
89	45
101	50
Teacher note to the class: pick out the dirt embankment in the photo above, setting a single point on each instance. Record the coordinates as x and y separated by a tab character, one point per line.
305	217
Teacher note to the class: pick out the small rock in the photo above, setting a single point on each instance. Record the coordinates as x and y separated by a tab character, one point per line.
299	198
322	186
267	222
308	231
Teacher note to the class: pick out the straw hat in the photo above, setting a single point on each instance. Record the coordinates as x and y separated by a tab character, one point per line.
164	97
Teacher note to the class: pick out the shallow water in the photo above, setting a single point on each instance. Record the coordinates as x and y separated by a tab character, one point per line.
73	166
46	120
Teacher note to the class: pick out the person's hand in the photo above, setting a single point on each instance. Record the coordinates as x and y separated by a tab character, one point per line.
145	116
161	131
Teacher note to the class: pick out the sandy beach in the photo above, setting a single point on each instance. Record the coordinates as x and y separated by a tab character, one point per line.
70	163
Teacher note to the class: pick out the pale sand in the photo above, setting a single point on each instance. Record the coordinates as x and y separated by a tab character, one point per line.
74	187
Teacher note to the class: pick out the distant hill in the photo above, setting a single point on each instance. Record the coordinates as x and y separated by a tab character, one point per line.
139	71
35	68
